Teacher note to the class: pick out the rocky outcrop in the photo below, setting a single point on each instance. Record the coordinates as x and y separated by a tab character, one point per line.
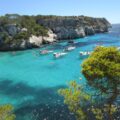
74	27
15	37
50	38
38	41
89	30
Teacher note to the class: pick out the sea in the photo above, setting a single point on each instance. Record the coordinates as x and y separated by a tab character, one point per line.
30	81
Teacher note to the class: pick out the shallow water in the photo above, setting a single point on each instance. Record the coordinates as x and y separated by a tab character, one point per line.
30	81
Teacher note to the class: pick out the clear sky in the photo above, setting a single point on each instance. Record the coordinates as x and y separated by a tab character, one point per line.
95	8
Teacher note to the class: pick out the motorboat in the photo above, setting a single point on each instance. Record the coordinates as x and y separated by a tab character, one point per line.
99	45
118	48
44	52
69	48
85	53
59	54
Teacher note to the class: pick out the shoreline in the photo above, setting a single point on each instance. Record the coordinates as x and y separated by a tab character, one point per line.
48	44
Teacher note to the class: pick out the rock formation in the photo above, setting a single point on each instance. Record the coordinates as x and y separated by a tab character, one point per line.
74	26
38	41
16	35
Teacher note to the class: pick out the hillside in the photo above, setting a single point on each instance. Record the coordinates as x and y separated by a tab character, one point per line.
23	32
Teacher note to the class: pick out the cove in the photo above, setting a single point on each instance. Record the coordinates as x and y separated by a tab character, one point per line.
30	81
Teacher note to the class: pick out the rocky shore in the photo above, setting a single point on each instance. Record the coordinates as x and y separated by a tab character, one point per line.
14	35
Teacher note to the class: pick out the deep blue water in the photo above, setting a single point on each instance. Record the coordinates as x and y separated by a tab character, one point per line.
30	81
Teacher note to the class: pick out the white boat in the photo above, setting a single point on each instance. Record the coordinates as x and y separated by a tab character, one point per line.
85	54
99	45
70	48
59	54
44	52
118	48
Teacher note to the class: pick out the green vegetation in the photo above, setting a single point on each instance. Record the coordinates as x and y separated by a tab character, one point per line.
105	110
33	28
82	105
6	112
102	71
23	28
75	98
14	25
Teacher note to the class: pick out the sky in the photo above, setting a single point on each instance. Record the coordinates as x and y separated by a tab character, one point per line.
109	9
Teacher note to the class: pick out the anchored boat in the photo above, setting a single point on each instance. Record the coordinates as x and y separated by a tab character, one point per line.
85	54
59	54
44	52
118	48
69	48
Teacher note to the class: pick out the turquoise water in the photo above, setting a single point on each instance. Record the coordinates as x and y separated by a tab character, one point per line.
30	81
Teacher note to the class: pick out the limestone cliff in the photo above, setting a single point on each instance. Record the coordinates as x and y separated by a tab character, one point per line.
74	26
23	32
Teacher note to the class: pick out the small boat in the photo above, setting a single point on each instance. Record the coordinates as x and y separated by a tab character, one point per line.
69	48
44	52
85	54
59	54
98	46
71	41
118	48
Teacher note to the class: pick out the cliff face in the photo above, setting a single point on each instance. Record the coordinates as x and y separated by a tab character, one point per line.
74	27
23	32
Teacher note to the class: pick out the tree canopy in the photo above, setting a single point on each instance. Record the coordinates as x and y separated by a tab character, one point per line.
75	98
102	71
6	112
